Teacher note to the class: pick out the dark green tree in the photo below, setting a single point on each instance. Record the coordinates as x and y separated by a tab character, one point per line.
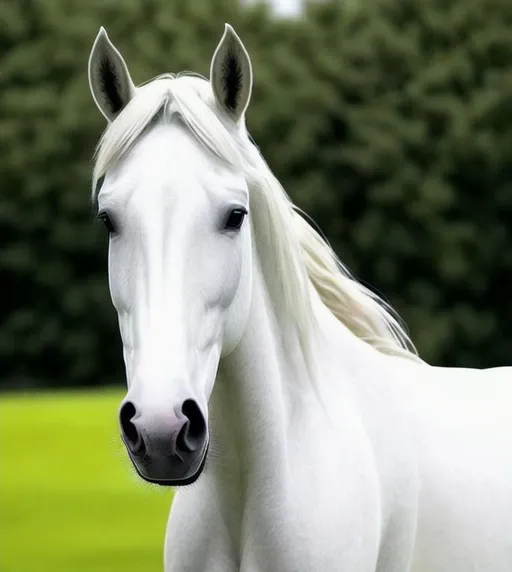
388	121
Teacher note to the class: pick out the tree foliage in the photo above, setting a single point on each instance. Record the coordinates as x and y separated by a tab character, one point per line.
388	121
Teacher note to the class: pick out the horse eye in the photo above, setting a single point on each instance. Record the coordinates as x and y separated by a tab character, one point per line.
107	221
235	219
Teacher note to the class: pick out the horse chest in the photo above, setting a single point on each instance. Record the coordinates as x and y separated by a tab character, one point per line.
322	520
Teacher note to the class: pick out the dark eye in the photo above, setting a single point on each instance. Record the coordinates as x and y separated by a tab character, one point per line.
107	221
235	219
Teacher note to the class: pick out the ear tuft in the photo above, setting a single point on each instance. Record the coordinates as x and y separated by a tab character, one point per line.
231	74
111	85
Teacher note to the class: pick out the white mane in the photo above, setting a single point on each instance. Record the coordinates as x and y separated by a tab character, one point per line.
300	256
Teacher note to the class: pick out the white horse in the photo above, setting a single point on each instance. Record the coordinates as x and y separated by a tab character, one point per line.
261	371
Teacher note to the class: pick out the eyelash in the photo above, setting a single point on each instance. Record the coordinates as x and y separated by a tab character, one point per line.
107	221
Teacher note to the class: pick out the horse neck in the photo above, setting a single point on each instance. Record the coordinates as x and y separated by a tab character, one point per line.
253	397
265	390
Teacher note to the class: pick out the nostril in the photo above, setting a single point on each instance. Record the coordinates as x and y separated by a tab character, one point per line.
130	433
192	434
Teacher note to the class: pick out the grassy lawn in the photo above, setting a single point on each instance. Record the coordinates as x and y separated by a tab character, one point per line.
69	501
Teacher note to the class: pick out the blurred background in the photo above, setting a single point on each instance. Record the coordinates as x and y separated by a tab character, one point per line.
388	121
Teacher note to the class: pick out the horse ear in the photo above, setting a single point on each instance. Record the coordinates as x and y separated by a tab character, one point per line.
231	74
109	79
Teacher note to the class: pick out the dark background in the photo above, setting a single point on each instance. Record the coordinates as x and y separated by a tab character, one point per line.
388	121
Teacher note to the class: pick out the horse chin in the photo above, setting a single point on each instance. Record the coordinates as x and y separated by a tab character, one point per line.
170	472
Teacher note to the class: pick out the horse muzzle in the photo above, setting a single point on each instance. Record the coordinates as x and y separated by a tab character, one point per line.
167	448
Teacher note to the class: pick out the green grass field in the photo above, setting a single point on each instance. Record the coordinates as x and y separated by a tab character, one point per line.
69	500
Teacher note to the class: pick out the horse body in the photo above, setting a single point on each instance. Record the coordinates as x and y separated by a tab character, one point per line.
462	424
407	472
265	382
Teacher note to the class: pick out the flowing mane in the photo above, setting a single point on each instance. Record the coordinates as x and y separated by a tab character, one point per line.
300	255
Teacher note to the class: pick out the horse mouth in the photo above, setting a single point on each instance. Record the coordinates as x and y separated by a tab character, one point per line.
169	471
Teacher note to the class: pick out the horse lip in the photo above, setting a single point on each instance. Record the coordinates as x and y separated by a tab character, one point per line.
172	482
